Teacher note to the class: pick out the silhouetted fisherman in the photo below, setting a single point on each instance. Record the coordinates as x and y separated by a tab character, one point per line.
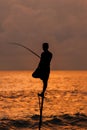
43	69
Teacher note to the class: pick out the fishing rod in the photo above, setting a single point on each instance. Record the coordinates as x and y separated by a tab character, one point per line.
18	44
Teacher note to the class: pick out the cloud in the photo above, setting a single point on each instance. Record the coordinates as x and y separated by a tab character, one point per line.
63	23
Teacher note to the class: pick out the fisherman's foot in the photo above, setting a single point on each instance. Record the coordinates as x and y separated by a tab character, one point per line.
41	94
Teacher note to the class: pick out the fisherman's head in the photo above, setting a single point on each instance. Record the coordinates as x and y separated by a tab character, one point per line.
45	46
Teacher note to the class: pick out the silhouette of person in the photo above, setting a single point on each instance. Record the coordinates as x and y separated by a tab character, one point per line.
43	69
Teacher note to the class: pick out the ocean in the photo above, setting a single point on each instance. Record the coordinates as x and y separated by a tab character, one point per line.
65	102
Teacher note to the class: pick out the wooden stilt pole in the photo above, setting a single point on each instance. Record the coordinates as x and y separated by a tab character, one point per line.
39	101
41	110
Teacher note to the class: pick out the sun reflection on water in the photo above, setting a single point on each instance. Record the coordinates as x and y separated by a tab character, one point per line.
66	94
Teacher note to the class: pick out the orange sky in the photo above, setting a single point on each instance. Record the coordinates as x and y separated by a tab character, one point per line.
62	23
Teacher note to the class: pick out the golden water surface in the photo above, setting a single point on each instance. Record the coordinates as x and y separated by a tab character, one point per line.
65	103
